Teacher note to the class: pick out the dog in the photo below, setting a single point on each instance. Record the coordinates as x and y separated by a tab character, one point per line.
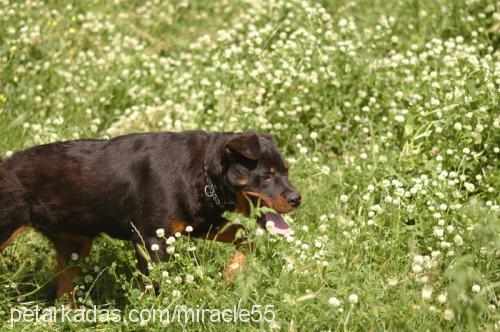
132	185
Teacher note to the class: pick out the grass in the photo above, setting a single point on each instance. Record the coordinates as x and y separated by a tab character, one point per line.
387	111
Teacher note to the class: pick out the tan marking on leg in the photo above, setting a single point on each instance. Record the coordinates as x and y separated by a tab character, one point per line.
11	238
66	244
178	225
228	234
235	266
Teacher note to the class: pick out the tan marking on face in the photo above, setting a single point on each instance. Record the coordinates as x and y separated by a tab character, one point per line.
285	166
280	205
242	204
273	170
243	182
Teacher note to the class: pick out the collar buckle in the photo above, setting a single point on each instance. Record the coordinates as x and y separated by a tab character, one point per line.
209	190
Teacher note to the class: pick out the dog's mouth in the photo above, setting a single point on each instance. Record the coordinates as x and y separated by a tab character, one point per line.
273	221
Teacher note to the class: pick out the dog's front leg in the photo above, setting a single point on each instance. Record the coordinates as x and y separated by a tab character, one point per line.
230	233
149	250
68	246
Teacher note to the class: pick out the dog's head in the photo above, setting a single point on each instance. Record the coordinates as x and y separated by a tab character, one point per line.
252	168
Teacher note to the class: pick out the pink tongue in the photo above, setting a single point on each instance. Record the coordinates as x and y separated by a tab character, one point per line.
280	226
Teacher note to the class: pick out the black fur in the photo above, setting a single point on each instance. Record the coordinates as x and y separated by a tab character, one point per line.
143	181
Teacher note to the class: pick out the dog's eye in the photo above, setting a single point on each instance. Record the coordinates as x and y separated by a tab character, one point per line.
266	177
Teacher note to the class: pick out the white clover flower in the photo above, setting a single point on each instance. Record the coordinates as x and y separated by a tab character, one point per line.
303	150
439	232
160	232
334	302
458	240
170	250
314	135
469	186
476	288
442	298
189	278
457	126
392	282
426	293
416	268
155	247
418	259
259	232
325	169
176	293
448	314
344	198
435	254
164	274
189	229
177	234
74	256
353	298
399	118
170	240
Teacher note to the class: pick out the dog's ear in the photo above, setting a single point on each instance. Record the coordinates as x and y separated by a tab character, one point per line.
269	137
246	145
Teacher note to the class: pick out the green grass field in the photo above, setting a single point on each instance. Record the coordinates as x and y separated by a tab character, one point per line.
387	112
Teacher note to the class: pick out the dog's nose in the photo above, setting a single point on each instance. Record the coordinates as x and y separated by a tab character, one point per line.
294	199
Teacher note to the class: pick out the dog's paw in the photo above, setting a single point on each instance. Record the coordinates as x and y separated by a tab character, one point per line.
236	264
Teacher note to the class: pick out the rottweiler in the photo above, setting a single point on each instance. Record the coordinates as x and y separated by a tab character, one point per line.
132	185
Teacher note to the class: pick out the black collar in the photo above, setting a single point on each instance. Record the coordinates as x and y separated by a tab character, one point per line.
210	189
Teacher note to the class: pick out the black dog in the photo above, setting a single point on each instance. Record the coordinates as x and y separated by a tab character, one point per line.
130	186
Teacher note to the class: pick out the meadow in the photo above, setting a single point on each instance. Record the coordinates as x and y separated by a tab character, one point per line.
387	112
